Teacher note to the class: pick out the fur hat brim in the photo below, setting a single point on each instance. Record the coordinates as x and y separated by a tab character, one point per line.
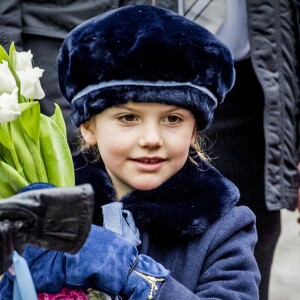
144	54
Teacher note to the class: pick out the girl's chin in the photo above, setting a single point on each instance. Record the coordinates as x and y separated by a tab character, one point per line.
147	186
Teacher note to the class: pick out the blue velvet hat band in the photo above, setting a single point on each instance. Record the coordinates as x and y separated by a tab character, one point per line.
113	83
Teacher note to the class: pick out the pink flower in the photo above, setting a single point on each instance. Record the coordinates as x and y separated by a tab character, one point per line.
64	294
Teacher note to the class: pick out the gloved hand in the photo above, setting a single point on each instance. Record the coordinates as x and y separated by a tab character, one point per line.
106	262
54	218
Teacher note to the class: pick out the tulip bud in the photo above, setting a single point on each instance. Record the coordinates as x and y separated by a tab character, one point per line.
7	80
9	108
30	83
29	77
23	60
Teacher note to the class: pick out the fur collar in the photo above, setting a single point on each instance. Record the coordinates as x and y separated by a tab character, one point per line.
185	205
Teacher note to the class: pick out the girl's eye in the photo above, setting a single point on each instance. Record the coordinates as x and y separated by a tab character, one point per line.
172	119
128	118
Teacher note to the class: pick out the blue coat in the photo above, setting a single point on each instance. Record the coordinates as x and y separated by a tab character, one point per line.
216	265
191	225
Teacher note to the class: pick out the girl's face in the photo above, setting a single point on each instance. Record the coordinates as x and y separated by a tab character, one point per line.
141	144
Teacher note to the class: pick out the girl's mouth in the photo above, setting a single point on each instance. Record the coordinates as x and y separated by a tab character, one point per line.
149	160
149	164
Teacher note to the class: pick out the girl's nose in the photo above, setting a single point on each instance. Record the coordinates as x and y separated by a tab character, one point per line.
151	137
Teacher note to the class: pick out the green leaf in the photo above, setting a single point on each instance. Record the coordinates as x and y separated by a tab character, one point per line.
6	190
56	154
58	118
28	105
8	157
2	152
30	119
12	49
9	175
34	150
3	54
27	160
8	153
4	136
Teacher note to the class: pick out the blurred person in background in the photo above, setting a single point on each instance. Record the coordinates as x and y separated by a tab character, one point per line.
254	139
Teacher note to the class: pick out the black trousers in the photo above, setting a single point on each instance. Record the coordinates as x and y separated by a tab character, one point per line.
235	143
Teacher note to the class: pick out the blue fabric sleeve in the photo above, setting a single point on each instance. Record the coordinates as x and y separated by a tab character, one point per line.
47	268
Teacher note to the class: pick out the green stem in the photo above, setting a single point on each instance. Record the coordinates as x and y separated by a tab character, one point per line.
13	152
10	180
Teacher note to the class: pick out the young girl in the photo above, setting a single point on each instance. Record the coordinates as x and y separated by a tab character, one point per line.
143	83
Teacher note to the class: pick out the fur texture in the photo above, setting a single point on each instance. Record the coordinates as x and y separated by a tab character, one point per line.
186	204
144	54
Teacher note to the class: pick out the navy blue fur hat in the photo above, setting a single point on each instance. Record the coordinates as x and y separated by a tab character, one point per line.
144	53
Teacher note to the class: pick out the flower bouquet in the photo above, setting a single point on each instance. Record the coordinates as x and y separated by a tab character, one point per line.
33	146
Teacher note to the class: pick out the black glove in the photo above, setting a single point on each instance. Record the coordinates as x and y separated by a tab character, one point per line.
54	218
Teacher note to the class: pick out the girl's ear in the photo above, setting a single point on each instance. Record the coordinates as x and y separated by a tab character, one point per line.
194	135
88	134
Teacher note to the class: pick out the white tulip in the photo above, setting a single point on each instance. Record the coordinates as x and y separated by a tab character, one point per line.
9	108
23	60
30	83
29	77
7	80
